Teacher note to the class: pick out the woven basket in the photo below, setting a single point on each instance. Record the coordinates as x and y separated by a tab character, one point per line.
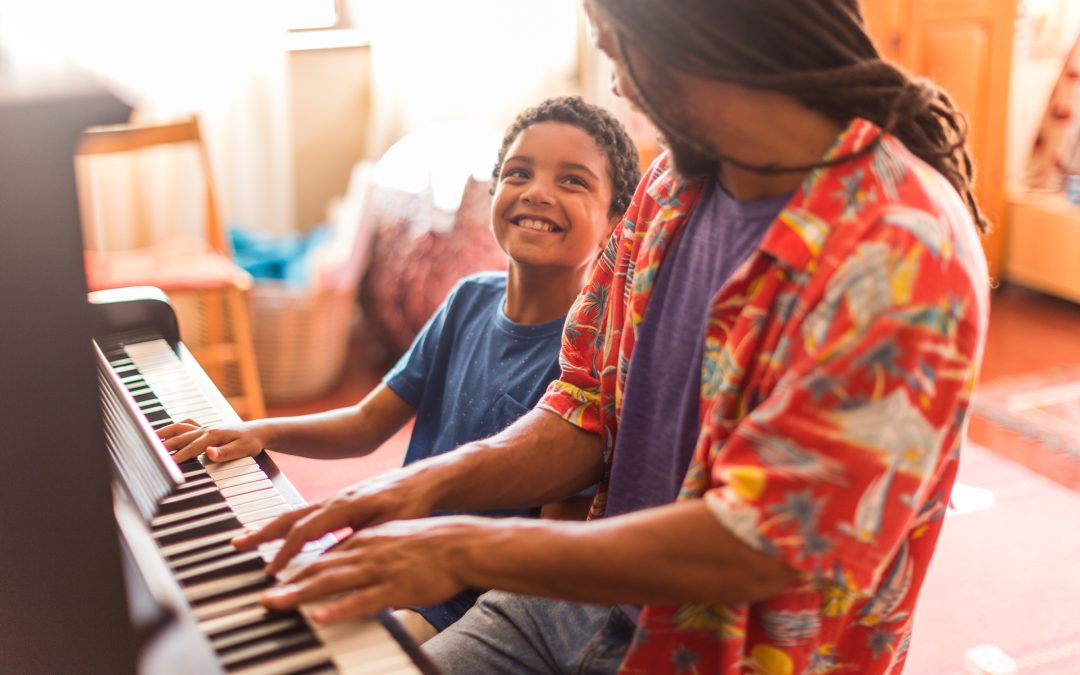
301	339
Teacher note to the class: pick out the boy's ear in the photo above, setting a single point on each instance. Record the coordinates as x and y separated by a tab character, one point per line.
613	222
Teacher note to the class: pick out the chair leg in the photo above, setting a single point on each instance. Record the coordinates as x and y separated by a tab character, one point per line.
214	314
255	406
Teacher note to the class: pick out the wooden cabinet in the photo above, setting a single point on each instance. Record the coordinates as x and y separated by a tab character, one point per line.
966	47
1044	243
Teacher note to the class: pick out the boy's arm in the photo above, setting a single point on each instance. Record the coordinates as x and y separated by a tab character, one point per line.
346	432
574	508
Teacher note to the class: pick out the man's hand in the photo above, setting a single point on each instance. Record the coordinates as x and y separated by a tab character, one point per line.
388	496
398	564
187	440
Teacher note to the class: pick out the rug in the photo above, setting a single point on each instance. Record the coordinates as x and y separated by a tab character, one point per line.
1043	406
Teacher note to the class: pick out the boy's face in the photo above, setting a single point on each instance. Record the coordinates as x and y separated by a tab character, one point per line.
552	198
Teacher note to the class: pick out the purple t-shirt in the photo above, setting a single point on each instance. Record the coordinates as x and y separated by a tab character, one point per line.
659	425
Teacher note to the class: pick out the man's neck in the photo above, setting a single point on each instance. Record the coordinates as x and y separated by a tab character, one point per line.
536	295
761	128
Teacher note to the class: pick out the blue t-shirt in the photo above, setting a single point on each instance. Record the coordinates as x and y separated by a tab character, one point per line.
470	373
659	425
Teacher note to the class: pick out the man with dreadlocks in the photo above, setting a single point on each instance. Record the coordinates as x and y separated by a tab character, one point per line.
770	369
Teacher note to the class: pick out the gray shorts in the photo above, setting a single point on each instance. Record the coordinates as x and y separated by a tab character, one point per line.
518	634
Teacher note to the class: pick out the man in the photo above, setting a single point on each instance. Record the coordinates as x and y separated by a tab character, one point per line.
770	371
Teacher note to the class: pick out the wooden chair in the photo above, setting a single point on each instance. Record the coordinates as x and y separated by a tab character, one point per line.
207	289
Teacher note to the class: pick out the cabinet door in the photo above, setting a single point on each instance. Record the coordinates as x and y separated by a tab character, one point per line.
966	47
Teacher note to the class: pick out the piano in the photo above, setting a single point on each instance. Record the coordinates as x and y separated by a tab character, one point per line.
177	521
113	558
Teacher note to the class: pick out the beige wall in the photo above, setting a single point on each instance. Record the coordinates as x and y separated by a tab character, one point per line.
330	113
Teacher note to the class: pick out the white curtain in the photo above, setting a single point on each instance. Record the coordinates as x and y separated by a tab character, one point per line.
478	60
224	60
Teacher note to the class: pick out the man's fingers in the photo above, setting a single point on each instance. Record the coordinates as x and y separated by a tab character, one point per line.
330	580
275	529
314	524
360	603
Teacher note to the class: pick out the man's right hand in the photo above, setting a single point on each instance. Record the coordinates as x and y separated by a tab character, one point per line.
187	440
389	496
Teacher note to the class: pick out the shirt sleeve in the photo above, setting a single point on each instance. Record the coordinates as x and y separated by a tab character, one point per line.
411	373
575	396
588	337
839	464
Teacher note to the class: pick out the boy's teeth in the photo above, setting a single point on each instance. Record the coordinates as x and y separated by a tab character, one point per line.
540	225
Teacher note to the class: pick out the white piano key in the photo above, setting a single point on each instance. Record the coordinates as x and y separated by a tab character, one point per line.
187	527
266	647
247	488
209	589
189	513
266	501
287	664
361	646
243	479
267	514
239	501
242	617
232	605
203	556
237	471
182	496
224	563
256	632
180	547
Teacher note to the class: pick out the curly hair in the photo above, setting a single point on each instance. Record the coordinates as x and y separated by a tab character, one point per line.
817	51
622	155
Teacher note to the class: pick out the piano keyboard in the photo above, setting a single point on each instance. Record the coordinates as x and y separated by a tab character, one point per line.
194	525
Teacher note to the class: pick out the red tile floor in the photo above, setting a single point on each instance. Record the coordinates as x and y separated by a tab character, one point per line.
1007	568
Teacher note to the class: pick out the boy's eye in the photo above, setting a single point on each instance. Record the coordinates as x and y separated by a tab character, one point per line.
575	180
515	173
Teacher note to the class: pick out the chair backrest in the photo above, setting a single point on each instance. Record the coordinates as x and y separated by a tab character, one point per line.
131	138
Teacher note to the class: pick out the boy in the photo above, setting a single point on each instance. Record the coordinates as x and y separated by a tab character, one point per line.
564	175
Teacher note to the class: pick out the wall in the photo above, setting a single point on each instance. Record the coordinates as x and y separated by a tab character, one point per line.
330	105
1045	31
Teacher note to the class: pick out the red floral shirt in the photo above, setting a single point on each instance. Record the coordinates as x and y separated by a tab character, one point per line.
838	368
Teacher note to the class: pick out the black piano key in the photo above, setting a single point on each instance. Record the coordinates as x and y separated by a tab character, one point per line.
195	501
191	465
158	416
269	624
303	644
326	668
255	584
239	562
265	642
200	556
196	532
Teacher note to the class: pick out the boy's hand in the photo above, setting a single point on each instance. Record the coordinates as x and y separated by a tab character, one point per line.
386	497
187	440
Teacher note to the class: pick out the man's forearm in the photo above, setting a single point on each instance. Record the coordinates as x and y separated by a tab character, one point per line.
668	555
539	459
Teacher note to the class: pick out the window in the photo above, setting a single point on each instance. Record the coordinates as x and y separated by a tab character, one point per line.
313	14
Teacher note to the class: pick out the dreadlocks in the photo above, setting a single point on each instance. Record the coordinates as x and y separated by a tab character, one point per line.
816	51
